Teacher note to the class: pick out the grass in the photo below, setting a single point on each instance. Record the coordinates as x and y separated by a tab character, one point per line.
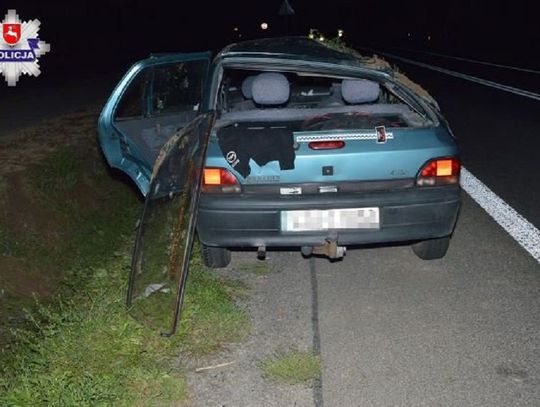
10	245
259	268
60	171
210	318
88	351
80	346
294	367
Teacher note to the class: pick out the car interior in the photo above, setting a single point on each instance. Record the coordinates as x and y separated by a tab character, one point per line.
158	103
250	99
311	102
259	112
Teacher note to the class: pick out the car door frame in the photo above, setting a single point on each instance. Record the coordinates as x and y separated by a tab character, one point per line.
113	140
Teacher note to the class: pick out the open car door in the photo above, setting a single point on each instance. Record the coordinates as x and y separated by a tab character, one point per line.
156	97
164	241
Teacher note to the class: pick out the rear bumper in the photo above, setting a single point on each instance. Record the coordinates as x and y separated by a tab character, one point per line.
255	220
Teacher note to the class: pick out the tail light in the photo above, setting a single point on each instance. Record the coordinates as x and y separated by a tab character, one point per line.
441	171
326	145
219	180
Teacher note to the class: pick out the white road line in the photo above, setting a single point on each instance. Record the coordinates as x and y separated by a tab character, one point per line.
471	78
523	231
474	61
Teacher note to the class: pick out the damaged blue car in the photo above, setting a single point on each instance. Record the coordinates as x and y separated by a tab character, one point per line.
282	142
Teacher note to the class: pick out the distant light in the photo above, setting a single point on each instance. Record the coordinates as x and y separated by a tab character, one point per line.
311	35
429	37
264	26
235	29
340	33
321	38
409	35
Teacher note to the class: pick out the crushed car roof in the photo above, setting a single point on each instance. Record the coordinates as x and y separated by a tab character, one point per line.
310	49
303	48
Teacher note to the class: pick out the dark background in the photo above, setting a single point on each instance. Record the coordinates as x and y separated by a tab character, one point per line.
91	37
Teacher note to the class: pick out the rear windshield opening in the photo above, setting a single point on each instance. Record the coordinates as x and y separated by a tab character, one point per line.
312	102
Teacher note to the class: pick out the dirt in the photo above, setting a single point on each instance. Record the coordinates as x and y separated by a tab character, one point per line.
23	222
32	145
401	77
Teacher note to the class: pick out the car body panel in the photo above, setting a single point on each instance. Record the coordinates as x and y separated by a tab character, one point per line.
253	220
400	157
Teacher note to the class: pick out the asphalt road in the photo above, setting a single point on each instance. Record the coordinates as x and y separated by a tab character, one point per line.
498	131
527	78
461	331
391	329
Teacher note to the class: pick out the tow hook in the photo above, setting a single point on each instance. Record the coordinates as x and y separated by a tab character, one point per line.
329	249
261	252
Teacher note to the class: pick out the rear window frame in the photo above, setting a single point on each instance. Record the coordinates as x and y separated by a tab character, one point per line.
322	69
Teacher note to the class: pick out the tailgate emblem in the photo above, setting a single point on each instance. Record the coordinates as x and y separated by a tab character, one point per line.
232	158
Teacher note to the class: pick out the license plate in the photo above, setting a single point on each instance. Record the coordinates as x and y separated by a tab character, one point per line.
353	218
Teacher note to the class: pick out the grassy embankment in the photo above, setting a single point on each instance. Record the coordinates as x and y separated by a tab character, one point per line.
66	233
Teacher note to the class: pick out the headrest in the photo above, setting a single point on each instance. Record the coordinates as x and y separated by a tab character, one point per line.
270	88
246	86
359	91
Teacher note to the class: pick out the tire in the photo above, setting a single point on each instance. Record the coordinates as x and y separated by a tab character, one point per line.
432	249
215	257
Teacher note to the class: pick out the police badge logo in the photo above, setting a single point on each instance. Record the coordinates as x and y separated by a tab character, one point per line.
20	48
11	33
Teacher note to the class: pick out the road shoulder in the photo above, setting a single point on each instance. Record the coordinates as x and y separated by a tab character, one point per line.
280	308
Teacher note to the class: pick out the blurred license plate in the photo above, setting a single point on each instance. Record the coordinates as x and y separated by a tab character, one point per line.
353	218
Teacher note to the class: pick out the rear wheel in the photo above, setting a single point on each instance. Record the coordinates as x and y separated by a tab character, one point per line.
215	257
432	249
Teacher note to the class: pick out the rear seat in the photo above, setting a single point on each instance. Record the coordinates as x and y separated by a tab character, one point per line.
263	90
271	89
246	92
335	98
357	91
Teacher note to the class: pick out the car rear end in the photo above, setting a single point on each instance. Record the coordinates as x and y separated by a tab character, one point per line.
369	168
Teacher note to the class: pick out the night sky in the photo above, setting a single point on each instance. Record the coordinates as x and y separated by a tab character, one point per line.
89	36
